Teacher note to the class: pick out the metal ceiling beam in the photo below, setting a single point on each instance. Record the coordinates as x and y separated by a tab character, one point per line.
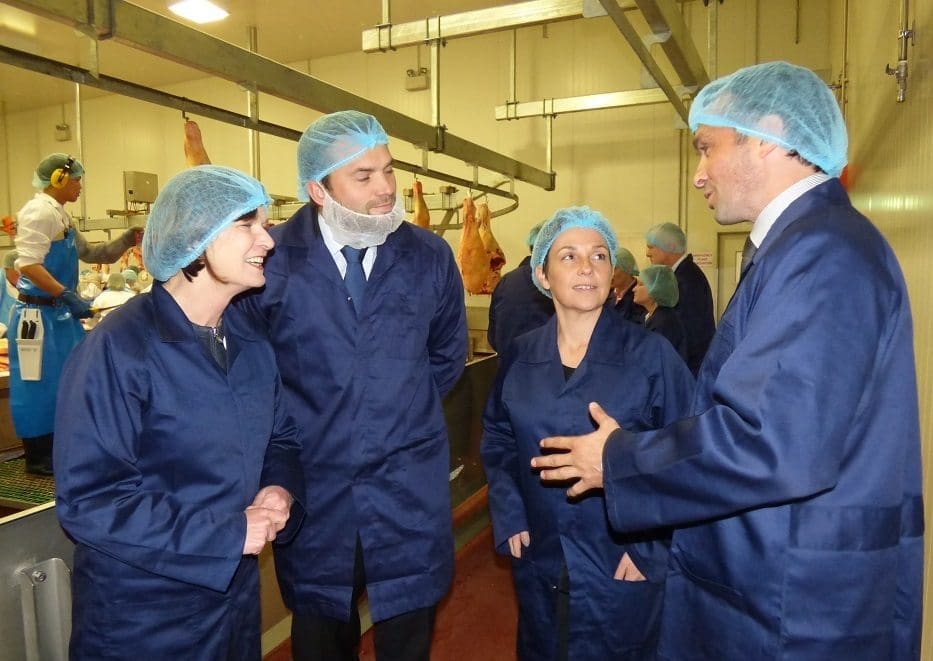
663	16
624	26
136	27
469	23
74	74
553	107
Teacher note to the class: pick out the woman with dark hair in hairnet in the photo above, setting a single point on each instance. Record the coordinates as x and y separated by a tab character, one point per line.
656	291
584	592
176	461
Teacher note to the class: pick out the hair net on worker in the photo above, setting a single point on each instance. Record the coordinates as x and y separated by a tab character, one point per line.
129	275
116	281
334	140
625	260
42	177
533	234
568	219
748	100
668	237
661	284
192	209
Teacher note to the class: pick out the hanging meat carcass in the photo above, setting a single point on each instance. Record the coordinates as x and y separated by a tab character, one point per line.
493	252
474	263
421	216
195	154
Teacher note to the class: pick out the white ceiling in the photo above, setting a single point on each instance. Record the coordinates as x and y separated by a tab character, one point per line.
287	31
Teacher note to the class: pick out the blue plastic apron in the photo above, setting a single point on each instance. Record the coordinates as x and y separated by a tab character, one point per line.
32	403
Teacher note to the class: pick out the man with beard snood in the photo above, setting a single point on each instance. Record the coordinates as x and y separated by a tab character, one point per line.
366	316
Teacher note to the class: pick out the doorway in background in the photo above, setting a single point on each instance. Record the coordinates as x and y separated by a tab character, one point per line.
729	264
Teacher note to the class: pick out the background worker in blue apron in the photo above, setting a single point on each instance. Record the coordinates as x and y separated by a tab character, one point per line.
49	249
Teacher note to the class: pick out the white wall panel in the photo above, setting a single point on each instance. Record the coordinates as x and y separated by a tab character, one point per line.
891	166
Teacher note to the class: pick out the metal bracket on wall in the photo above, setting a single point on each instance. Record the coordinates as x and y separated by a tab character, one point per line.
900	70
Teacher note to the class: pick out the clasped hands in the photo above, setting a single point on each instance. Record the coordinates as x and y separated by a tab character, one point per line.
265	517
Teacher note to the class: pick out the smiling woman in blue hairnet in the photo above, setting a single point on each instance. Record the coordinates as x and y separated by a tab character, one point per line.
176	460
608	596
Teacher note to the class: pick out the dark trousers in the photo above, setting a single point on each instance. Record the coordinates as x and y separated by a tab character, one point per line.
406	637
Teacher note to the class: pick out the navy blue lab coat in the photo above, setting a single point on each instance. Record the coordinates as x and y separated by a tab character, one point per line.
667	323
639	379
799	473
695	307
366	394
516	307
157	454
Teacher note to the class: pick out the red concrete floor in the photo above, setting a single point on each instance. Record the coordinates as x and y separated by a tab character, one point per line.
477	619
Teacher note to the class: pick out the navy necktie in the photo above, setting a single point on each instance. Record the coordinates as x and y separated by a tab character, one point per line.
355	278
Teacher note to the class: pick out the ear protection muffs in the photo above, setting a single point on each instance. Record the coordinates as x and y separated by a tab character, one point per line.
60	176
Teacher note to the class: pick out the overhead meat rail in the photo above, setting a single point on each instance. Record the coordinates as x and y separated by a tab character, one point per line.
117	86
128	24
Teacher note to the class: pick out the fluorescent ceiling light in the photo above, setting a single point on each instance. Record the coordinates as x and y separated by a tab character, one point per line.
17	21
199	11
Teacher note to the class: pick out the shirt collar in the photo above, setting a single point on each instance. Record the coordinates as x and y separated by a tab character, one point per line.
333	247
779	204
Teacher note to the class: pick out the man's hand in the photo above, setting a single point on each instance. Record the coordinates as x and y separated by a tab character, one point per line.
274	498
583	456
517	541
261	526
627	571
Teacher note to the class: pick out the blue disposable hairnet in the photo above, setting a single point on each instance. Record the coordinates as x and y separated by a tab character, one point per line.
568	219
749	100
533	234
129	275
192	209
668	237
42	177
661	284
334	140
625	260
116	281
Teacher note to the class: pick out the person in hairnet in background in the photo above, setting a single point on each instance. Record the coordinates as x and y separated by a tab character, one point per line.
795	484
656	292
116	294
517	306
49	247
366	315
584	592
667	246
622	287
176	460
131	278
